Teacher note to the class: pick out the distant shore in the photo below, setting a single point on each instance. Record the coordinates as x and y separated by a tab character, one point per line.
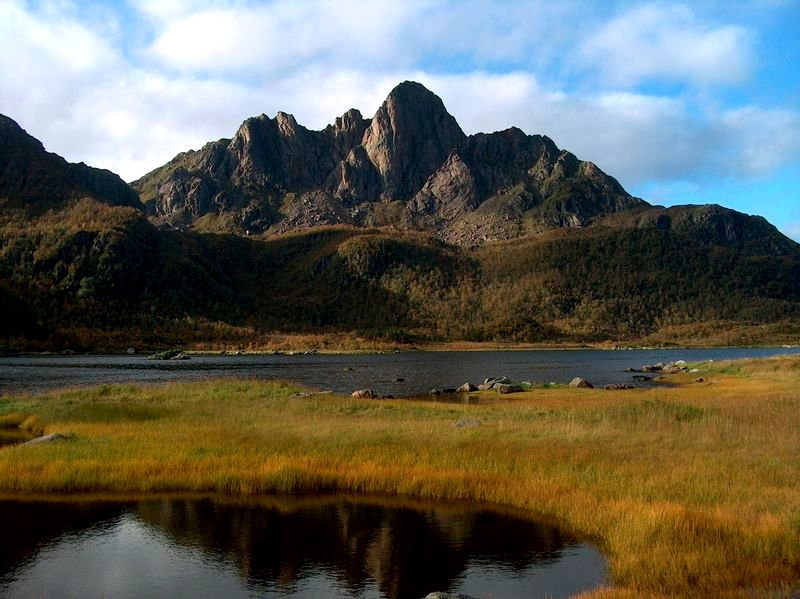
288	348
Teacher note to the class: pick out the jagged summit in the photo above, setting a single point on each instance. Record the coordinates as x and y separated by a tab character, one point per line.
410	166
409	138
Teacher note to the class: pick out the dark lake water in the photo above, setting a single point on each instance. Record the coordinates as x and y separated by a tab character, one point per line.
420	371
284	547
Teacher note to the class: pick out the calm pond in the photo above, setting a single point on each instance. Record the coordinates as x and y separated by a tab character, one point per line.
406	373
284	547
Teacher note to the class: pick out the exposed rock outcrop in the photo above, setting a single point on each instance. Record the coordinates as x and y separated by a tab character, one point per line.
409	166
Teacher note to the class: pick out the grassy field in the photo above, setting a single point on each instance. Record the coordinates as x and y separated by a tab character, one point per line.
690	490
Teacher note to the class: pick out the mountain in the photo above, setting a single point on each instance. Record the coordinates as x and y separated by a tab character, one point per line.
396	228
409	166
35	179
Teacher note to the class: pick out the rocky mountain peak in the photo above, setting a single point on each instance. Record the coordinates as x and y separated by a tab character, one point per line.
34	176
14	136
347	132
409	138
287	124
350	121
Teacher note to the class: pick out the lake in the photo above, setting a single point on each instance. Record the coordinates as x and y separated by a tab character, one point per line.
285	547
405	373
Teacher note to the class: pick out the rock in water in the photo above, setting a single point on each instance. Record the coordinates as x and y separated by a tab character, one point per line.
580	383
467	388
170	354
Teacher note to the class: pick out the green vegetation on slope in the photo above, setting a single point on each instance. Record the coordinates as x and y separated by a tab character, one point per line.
93	266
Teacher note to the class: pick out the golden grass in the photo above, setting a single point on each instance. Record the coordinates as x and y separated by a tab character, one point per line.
690	490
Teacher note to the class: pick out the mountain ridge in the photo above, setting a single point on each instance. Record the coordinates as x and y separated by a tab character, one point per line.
30	175
503	238
409	166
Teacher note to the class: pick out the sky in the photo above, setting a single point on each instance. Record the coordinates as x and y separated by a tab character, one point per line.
695	102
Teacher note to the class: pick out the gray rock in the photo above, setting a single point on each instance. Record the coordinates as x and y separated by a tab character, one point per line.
580	383
130	351
497	379
170	354
466	423
641	377
467	388
485	386
52	438
364	394
506	389
441	595
618	387
679	363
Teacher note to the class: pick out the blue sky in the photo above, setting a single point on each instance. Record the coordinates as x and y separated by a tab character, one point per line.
690	102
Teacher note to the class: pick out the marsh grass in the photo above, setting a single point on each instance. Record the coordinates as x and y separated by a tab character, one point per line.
690	490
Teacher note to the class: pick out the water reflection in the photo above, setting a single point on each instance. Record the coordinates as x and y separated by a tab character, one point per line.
14	437
284	548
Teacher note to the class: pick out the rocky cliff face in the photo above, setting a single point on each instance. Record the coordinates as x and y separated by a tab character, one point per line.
32	178
409	166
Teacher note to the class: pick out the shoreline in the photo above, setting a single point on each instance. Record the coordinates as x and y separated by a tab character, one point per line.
455	347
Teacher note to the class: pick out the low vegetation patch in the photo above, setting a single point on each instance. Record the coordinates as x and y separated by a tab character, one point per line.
691	490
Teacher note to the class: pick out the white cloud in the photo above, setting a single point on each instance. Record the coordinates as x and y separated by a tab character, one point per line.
211	66
668	42
761	140
277	37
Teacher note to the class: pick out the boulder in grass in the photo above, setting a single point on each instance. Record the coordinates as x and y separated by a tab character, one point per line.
466	423
467	388
51	438
580	383
364	394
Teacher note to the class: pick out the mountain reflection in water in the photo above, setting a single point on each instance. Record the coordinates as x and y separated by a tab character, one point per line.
284	547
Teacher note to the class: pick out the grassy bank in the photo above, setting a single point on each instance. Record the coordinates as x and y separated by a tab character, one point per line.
690	490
